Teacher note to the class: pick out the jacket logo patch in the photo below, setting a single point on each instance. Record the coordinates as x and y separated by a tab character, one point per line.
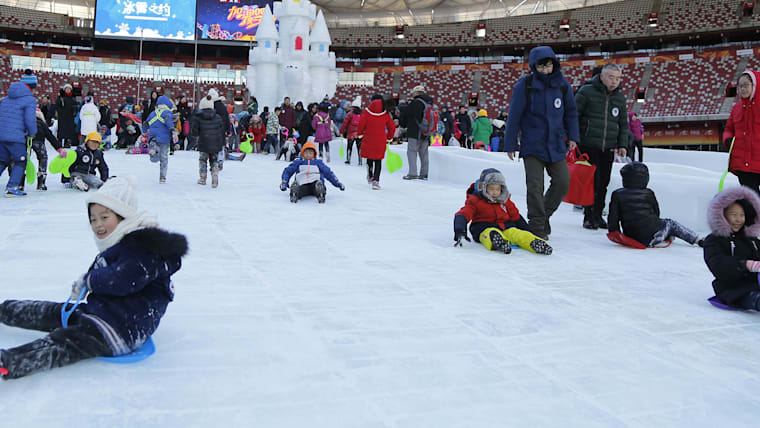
615	112
86	158
557	103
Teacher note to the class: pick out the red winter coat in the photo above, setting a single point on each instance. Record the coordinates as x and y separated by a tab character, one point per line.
744	125
351	124
258	132
375	129
477	209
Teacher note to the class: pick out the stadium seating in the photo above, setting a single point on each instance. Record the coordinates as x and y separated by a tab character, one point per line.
27	19
610	21
684	16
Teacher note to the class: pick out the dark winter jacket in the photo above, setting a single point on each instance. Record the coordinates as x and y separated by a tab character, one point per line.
208	127
376	128
602	116
43	133
88	161
105	116
131	286
305	130
67	109
465	123
478	209
161	121
17	114
448	122
221	110
548	119
411	116
726	251
288	117
635	206
744	124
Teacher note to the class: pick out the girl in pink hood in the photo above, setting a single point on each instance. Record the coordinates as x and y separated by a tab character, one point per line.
637	129
743	126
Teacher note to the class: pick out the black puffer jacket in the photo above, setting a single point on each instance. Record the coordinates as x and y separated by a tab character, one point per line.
88	161
43	133
411	116
726	251
635	206
208	127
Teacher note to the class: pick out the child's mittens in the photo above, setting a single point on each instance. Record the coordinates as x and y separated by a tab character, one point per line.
284	186
77	287
753	266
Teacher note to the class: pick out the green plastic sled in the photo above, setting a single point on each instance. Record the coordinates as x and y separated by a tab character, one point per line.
246	147
394	162
61	165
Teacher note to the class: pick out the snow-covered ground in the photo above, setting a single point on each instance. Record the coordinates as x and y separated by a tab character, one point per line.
360	313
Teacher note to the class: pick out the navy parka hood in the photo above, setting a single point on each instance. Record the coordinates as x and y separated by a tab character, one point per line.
539	53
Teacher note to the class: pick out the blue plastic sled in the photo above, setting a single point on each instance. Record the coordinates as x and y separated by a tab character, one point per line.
146	350
718	304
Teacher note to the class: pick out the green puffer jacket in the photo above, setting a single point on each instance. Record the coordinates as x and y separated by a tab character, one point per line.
481	130
603	117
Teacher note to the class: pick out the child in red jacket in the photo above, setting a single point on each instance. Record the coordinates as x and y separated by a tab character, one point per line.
496	221
258	131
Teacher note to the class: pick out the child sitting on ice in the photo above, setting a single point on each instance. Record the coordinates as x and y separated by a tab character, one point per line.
732	250
310	176
129	286
635	207
495	219
89	158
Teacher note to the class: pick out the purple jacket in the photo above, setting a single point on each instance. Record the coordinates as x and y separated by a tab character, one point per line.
635	127
321	124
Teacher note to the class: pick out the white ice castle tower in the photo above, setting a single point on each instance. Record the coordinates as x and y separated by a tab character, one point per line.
302	67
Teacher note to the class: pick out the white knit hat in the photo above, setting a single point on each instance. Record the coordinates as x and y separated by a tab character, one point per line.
214	94
117	194
357	102
206	103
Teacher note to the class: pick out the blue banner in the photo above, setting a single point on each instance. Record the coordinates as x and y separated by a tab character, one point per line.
148	19
230	19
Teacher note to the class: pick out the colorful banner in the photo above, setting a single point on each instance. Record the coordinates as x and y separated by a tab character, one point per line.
151	19
230	19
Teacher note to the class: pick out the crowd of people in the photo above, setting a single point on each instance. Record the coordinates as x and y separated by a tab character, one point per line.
544	122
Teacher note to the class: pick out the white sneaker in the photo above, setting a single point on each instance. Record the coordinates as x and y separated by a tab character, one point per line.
79	184
376	185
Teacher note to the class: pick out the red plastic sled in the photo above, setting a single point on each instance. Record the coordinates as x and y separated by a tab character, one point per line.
621	239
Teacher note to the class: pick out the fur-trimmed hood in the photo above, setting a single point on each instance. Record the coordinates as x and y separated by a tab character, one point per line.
157	241
747	198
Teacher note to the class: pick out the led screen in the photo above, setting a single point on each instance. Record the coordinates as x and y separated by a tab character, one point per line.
149	19
230	19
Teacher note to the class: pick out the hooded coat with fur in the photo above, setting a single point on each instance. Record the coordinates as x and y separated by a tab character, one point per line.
479	207
635	206
130	286
744	124
376	128
726	251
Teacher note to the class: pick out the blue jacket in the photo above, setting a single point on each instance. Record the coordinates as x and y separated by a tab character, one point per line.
302	166
17	114
548	119
131	286
161	126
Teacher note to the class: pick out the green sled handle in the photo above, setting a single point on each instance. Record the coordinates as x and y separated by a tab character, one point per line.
31	171
723	178
61	165
394	162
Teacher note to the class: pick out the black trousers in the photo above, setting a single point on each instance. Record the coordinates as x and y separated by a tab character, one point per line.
316	188
637	144
749	179
61	347
603	160
374	166
349	148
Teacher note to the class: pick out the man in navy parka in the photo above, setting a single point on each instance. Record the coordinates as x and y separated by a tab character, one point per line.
543	115
19	121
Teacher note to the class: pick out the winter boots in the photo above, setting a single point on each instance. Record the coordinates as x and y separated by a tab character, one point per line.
214	178
493	240
202	180
79	184
320	189
588	219
41	177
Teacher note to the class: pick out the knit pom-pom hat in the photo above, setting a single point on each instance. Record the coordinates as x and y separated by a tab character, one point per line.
117	194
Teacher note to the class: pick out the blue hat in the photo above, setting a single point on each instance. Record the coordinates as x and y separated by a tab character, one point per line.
29	78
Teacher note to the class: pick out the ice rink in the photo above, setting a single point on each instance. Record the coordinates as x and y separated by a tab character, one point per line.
360	313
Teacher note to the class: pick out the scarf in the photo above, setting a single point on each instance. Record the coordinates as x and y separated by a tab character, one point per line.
128	225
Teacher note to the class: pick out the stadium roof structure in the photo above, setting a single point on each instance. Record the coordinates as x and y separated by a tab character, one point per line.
416	12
